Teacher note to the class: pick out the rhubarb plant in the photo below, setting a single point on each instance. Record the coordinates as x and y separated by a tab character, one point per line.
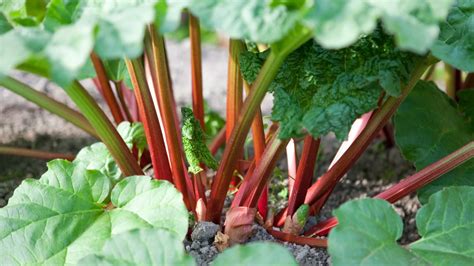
333	67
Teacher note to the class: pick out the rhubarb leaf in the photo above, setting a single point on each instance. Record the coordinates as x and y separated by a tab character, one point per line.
98	157
455	44
375	227
255	20
428	127
70	212
61	12
4	24
133	134
340	23
121	26
445	225
256	254
168	14
324	91
141	247
446	228
466	104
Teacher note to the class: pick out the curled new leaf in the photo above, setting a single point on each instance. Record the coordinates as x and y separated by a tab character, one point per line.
194	143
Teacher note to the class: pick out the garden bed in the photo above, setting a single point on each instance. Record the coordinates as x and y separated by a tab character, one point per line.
31	127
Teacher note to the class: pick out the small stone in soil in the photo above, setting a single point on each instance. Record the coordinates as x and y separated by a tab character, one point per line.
204	232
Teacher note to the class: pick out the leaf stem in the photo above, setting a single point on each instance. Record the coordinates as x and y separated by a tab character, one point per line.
106	131
162	87
35	153
146	107
239	133
196	69
106	89
47	103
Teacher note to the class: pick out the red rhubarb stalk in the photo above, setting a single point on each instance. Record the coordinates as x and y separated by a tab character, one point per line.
304	174
106	89
165	100
146	107
196	69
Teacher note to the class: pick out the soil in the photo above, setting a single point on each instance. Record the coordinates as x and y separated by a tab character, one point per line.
23	124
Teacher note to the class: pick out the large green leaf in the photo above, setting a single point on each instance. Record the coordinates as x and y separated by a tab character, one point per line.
429	126
366	235
255	20
455	44
368	230
70	212
339	23
446	225
141	247
71	30
321	90
256	254
121	26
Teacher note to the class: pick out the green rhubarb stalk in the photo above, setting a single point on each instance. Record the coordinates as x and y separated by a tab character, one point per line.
104	128
44	155
47	103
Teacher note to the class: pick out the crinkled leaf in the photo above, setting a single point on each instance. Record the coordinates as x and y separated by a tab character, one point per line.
366	235
255	20
340	23
141	247
455	44
446	227
324	91
445	224
62	217
428	127
256	254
